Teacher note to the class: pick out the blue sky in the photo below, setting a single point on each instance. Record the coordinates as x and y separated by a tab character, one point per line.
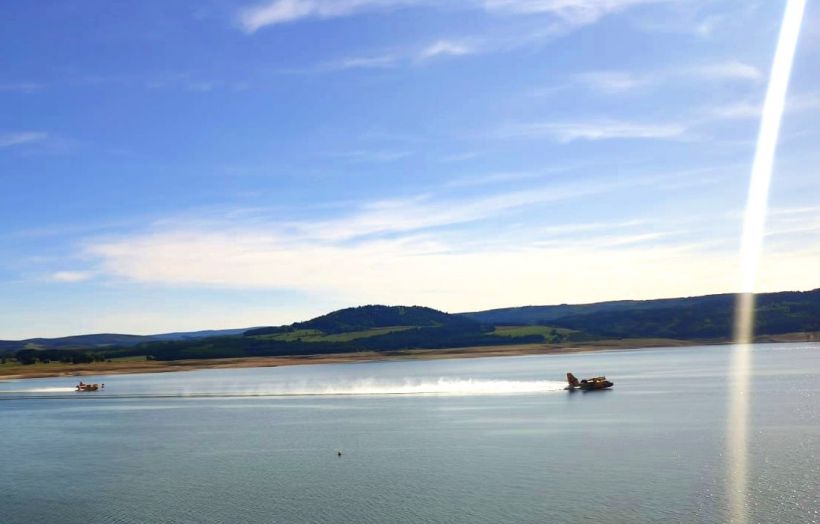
193	165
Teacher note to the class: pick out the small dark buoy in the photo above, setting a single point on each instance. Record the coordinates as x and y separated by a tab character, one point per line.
338	453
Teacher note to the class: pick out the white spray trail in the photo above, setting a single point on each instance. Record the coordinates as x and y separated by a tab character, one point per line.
41	390
439	386
443	386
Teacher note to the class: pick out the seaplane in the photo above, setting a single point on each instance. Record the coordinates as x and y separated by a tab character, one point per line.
587	384
89	387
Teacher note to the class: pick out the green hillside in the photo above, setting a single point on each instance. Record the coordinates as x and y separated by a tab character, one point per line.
365	318
365	328
315	335
705	317
553	335
702	317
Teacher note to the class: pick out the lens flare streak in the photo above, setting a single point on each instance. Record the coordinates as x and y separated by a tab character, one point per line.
751	244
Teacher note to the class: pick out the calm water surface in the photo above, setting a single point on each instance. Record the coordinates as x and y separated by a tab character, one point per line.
459	441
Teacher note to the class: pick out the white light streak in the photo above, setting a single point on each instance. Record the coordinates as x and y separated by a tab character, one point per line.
751	245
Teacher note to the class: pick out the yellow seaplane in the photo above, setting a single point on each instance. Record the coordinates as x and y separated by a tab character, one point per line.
587	384
89	387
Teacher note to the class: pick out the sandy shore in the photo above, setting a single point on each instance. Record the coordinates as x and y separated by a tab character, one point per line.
57	369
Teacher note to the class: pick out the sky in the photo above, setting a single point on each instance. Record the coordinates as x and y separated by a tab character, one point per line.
169	166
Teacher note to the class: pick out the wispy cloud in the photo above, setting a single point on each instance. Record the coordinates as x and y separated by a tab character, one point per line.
746	109
804	101
567	15
368	155
445	48
460	157
22	87
255	17
575	12
735	111
729	70
570	12
613	81
429	270
416	214
22	137
587	227
411	55
433	248
71	276
703	18
426	211
380	61
188	81
492	178
565	132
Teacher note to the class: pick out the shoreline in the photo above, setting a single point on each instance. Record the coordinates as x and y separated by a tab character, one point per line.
53	370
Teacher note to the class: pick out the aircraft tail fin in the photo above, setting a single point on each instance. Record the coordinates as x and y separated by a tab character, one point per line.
573	382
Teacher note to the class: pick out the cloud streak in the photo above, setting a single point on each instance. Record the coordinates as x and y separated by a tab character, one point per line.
434	249
593	130
575	12
255	17
71	276
445	48
361	62
422	270
611	82
572	13
22	87
22	137
746	109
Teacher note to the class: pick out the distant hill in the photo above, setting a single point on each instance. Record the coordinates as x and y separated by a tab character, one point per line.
540	315
74	341
101	340
704	317
365	328
187	335
373	316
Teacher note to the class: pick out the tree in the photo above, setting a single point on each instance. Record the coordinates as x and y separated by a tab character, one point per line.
26	356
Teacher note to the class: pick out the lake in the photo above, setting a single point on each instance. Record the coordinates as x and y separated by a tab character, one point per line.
482	440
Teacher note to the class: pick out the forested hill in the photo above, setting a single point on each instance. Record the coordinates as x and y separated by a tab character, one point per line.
365	328
368	317
704	317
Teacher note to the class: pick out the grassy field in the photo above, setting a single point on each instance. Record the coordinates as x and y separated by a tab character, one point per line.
314	335
39	369
299	334
550	334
